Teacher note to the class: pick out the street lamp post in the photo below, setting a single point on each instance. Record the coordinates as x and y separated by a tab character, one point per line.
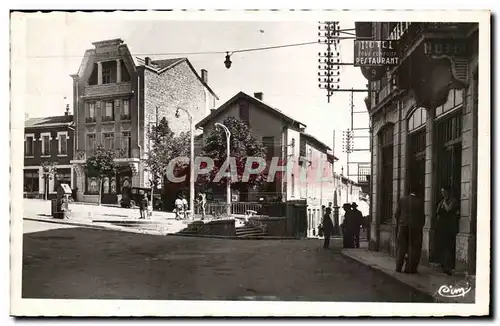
191	160
228	150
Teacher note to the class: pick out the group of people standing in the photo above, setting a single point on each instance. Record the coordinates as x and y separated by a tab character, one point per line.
410	220
351	225
353	220
181	205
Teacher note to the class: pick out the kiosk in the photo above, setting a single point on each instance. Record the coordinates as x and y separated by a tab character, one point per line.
60	206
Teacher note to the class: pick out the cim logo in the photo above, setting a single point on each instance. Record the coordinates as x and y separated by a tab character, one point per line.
449	291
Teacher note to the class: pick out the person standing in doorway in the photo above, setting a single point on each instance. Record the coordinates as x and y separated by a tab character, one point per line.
357	222
410	220
447	229
327	227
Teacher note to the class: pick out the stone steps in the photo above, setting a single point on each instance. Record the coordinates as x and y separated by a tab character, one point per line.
249	231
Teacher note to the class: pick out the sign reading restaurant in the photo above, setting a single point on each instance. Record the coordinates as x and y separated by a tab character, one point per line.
375	53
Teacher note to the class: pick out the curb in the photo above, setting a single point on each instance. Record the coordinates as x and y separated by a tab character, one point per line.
378	268
57	221
150	232
231	237
95	226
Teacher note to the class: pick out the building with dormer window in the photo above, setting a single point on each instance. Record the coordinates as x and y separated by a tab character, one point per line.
116	99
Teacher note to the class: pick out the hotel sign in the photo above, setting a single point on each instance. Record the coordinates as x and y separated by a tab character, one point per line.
452	48
375	53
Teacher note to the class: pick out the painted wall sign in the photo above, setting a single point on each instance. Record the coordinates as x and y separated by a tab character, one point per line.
375	53
445	47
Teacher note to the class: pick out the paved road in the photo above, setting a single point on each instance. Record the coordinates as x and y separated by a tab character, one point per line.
79	263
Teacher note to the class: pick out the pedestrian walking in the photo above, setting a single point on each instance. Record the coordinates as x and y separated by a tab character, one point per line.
357	223
143	206
178	207
347	229
327	227
447	229
410	220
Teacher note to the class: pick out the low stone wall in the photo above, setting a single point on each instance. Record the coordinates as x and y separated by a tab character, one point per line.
272	226
219	227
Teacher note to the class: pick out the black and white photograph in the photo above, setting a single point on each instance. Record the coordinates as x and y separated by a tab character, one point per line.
250	163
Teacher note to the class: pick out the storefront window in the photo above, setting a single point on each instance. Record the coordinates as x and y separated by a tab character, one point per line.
31	181
92	186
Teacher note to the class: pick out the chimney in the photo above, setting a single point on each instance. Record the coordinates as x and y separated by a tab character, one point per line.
67	110
26	116
259	96
204	76
147	61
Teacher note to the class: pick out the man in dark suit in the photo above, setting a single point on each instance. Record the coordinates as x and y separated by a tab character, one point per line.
357	217
410	220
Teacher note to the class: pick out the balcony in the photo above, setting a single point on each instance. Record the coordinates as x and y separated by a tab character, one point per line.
125	117
107	119
428	50
90	120
108	89
410	35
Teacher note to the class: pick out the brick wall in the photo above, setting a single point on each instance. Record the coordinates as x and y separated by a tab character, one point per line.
176	87
54	147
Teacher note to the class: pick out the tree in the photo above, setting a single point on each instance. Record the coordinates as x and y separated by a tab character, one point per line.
49	169
101	165
242	146
164	146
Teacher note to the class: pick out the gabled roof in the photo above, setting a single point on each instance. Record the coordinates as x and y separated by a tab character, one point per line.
259	103
311	139
49	122
160	66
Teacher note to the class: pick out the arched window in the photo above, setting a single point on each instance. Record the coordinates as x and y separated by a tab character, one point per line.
455	99
113	185
106	185
417	119
93	185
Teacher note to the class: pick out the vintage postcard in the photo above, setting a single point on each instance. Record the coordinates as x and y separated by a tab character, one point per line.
250	163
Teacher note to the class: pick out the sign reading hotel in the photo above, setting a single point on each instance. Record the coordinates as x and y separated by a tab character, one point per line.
375	53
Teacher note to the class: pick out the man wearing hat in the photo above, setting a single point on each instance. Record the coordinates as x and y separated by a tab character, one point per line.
357	221
347	223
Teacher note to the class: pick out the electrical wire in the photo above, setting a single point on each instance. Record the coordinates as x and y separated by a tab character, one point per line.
198	53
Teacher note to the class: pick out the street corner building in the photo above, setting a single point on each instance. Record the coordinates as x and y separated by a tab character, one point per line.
424	113
48	149
117	98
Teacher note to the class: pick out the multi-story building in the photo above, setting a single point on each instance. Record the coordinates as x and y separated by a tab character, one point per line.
48	142
424	113
116	99
277	131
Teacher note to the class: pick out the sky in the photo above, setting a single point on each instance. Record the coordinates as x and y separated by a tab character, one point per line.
288	77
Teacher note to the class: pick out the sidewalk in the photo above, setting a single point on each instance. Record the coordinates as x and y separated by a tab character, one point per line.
433	282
